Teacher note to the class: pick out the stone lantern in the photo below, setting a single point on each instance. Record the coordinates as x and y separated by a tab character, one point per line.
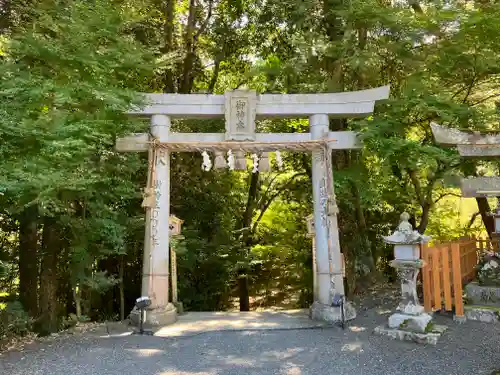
407	262
409	322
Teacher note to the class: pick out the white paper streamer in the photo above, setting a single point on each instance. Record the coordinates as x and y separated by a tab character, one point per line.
230	160
207	163
255	158
279	160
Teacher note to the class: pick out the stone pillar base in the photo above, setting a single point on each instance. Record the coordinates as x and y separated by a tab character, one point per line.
331	314
160	316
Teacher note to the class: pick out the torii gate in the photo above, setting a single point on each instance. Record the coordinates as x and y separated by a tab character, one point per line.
240	109
477	145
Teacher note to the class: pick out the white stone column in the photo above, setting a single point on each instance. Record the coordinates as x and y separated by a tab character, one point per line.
155	281
319	129
146	257
328	258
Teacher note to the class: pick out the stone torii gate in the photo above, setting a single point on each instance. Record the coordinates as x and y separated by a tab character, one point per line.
472	144
240	109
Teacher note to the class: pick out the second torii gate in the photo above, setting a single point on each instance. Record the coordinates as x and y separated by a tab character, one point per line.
478	145
240	109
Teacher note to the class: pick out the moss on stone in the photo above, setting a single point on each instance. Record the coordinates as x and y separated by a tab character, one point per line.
429	327
482	307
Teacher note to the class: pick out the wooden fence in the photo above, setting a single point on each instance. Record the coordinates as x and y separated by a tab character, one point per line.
448	266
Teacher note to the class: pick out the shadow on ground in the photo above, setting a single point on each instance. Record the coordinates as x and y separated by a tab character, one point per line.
468	349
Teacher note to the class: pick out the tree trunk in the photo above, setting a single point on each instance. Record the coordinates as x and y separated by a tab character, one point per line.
365	251
244	297
469	168
122	289
186	79
51	248
28	260
77	296
5	17
416	6
424	219
484	209
215	76
169	13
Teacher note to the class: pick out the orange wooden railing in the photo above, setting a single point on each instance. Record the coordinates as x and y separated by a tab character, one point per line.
447	267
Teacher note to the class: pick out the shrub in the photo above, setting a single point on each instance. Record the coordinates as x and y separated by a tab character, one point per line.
14	321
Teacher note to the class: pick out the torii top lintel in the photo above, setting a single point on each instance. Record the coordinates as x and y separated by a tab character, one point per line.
472	144
469	144
342	104
240	108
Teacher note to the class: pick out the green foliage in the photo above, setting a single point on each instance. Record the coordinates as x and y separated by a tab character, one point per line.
68	78
14	321
204	274
66	83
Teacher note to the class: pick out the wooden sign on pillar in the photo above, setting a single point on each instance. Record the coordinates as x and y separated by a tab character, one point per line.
173	274
311	234
174	225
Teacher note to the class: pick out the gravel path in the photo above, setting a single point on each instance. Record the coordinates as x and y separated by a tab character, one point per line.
468	349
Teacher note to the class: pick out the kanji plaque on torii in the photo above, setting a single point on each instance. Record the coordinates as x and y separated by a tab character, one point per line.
241	108
240	114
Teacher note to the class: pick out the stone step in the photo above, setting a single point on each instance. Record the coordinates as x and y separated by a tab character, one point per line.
483	313
430	337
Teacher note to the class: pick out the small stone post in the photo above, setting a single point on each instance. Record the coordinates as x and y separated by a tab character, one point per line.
311	233
174	225
410	321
